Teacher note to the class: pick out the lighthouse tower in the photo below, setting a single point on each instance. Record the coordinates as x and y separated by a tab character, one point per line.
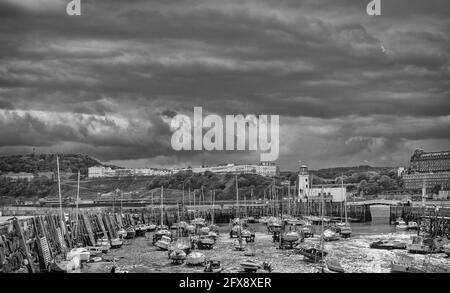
304	183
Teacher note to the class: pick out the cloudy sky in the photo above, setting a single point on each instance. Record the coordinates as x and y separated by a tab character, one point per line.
350	89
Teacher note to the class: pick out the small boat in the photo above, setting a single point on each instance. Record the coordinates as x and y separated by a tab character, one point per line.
420	245
122	233
195	259
140	230
178	256
401	226
94	251
163	243
104	244
446	248
213	266
274	227
312	254
190	228
205	242
161	233
290	236
345	230
334	266
151	227
204	231
250	265
329	235
116	243
307	231
131	233
413	226
213	235
388	245
82	253
404	264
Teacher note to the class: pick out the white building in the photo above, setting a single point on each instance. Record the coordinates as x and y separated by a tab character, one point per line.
100	172
307	191
264	169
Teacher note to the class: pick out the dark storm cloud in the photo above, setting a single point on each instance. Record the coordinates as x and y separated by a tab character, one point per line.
145	61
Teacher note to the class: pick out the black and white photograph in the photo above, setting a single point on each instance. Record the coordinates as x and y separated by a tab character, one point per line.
200	137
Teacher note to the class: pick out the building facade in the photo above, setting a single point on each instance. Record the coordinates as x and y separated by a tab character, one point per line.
415	181
105	172
18	176
263	169
431	169
430	162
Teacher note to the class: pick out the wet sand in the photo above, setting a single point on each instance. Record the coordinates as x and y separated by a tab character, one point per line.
140	256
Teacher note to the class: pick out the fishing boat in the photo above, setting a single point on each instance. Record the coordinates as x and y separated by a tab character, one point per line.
181	244
82	253
131	233
116	243
163	243
413	226
401	226
195	259
307	231
249	265
213	266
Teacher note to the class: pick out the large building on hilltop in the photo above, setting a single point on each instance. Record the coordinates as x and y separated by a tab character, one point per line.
431	169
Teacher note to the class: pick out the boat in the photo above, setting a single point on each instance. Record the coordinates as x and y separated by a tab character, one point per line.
161	233
413	226
190	228
104	244
290	236
307	231
401	225
116	243
151	227
312	254
195	259
404	264
213	266
94	251
334	266
420	245
249	265
446	248
329	235
181	244
205	242
274	227
131	233
204	230
388	245
82	253
140	230
163	243
178	256
122	233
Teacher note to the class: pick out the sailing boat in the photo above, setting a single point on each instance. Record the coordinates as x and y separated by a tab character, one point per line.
344	228
116	242
165	235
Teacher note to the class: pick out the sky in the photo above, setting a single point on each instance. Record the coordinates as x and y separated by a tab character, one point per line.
350	89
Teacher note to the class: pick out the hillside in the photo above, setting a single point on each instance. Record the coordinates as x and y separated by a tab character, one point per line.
47	163
332	173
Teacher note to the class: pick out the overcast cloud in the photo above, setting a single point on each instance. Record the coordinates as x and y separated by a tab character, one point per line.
350	89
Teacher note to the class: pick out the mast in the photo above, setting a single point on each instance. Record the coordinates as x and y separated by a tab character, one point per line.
162	208
321	238
345	198
182	201
213	198
152	207
189	195
237	198
59	190
78	199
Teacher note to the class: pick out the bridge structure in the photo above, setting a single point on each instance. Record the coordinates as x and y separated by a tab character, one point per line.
387	202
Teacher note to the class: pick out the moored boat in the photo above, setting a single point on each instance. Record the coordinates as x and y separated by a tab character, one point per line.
82	253
404	264
116	243
290	236
163	243
249	265
178	256
213	266
401	226
131	233
195	258
312	254
329	235
413	226
104	244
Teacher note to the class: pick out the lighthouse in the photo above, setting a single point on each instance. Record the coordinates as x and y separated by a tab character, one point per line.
304	183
